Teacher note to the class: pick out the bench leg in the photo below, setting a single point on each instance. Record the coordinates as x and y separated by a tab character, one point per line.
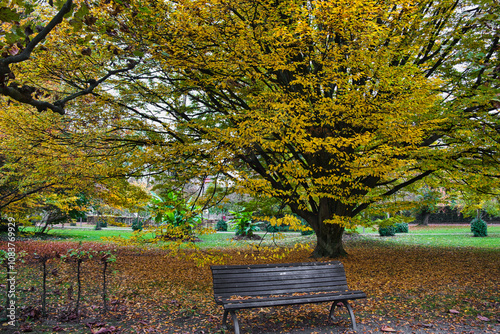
235	321
349	308
224	319
332	309
351	314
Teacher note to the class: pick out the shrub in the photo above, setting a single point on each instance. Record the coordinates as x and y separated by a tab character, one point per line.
101	224
221	225
401	227
387	231
308	232
478	227
243	224
137	225
275	229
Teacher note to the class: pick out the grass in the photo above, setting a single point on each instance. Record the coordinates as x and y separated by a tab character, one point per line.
148	289
446	229
445	240
87	234
414	278
432	236
445	236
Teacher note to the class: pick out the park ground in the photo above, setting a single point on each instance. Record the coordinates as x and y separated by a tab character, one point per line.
415	283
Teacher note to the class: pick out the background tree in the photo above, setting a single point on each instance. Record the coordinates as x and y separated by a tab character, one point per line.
428	200
26	26
46	170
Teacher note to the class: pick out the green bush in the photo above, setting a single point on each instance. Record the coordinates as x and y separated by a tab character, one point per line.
275	229
221	225
309	232
478	227
387	231
102	223
401	227
243	224
137	225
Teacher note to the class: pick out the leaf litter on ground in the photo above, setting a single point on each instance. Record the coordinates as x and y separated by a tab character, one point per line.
426	289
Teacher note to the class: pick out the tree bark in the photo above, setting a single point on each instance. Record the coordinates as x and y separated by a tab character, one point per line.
328	235
329	241
425	219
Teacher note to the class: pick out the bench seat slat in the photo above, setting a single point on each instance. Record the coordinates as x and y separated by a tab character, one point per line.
231	277
267	285
290	300
276	291
277	269
296	266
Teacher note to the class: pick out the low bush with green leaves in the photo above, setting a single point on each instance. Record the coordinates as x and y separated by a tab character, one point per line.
221	225
388	227
137	225
243	224
478	227
100	224
401	227
275	229
388	231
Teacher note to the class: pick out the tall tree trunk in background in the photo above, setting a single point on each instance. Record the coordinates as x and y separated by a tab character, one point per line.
425	218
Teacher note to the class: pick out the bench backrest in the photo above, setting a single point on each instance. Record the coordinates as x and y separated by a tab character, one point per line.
276	279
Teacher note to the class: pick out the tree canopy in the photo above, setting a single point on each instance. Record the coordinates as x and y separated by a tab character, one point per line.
329	106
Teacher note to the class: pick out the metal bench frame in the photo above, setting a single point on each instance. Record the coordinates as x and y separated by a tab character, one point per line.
268	285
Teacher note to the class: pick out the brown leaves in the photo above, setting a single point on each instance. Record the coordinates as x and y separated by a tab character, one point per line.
416	287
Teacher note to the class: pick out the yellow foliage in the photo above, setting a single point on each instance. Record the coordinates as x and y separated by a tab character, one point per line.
292	222
329	106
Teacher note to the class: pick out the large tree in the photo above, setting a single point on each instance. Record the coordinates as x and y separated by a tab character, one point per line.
55	152
329	106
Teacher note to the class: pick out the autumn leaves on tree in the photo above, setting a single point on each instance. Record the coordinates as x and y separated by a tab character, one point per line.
329	106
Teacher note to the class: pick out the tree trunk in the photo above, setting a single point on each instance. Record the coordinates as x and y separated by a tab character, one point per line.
329	241
328	236
425	218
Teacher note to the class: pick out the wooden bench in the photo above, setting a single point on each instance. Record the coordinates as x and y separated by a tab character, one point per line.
268	285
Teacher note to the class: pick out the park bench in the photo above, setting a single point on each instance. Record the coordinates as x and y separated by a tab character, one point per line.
268	285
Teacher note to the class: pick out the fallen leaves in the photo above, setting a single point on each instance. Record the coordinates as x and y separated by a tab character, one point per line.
428	288
386	328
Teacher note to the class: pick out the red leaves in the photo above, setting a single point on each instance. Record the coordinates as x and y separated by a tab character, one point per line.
480	317
453	311
385	328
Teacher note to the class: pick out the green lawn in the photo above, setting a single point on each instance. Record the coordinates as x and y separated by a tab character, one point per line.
433	236
438	236
445	240
464	229
89	234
